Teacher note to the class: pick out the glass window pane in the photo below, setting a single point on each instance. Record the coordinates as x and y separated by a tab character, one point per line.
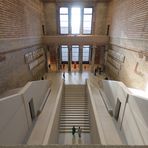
86	49
86	30
85	59
85	54
87	10
64	49
75	20
87	25
63	10
87	18
64	18
75	53
64	24
64	30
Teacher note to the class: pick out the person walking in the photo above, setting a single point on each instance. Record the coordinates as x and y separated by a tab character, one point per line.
73	130
79	132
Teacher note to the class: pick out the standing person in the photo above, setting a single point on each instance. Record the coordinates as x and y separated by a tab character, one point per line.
73	130
100	70
79	132
64	75
95	71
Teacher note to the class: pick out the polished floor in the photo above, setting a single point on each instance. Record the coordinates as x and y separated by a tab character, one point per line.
70	139
76	77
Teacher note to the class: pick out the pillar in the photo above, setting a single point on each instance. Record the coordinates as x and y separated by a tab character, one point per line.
69	58
93	58
81	59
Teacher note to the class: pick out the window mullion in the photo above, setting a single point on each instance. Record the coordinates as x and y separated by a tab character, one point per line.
81	25
69	19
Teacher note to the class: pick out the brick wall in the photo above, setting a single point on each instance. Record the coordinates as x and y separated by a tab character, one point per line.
128	36
20	32
20	18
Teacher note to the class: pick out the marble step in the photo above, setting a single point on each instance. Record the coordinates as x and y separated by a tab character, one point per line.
84	130
74	117
74	103
75	110
75	99
70	128
70	131
74	114
73	124
74	106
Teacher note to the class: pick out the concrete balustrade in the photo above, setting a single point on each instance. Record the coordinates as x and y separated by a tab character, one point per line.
18	114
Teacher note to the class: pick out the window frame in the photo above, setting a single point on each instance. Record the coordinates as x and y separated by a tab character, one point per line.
91	21
65	52
81	20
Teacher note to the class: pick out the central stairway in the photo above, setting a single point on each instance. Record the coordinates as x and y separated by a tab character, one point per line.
74	110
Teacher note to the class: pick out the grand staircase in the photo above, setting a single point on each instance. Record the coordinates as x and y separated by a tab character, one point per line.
74	110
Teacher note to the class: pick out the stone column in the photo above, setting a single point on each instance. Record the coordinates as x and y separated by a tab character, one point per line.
93	58
80	59
69	58
57	59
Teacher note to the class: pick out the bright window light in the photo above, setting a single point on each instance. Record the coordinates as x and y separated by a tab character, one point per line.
87	21
86	49
75	53
75	20
64	49
64	20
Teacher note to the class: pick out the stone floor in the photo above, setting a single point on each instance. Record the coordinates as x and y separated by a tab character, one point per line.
69	139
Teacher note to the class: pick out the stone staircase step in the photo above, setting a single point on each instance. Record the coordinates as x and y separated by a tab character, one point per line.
70	128
74	120
69	131
76	125
73	117
72	114
74	106
74	109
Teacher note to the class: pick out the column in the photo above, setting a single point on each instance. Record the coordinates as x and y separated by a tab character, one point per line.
69	58
80	58
57	58
93	58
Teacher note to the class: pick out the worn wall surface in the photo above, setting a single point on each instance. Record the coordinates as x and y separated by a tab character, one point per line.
100	19
20	32
128	37
50	18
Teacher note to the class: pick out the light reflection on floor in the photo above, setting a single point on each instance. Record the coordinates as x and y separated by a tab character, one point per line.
67	138
76	77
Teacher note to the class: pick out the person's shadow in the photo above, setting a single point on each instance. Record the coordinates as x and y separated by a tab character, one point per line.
74	140
79	141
